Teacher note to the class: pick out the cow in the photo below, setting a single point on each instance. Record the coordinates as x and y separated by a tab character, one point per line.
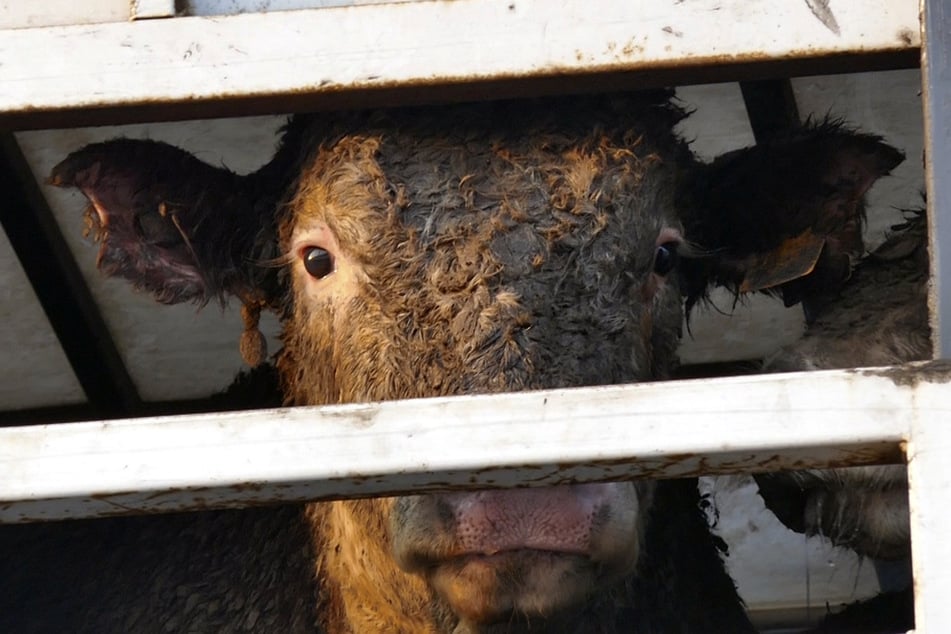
878	317
435	251
861	309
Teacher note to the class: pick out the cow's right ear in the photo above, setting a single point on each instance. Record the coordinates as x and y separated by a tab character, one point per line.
184	230
784	216
171	224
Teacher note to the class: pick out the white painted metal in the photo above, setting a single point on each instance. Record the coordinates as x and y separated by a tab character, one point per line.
929	476
147	9
233	7
378	46
34	371
401	457
171	352
19	14
929	481
534	438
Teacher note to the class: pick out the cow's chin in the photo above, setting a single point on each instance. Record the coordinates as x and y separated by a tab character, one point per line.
521	555
514	586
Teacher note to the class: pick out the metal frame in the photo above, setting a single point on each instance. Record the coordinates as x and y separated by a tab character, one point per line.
408	52
936	80
530	438
771	107
161	69
929	477
61	289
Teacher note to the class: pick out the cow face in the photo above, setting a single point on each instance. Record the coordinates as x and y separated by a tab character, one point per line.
476	249
428	258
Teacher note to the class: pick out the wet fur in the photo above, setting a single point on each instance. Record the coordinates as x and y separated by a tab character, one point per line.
500	267
503	246
811	178
879	318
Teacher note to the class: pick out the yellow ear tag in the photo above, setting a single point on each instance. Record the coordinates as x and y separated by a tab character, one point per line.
792	259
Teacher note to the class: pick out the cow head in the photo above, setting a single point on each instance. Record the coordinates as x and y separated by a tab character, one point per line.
880	317
443	251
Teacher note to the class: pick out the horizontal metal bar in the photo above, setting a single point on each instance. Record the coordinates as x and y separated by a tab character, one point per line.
361	49
534	438
23	15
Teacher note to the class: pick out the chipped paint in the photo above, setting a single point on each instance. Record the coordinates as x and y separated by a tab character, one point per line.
823	12
190	61
470	442
914	374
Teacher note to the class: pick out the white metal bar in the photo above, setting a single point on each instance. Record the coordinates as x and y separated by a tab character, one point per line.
534	438
17	14
373	47
929	481
149	9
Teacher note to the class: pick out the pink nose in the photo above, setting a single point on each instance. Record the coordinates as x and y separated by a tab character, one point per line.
558	519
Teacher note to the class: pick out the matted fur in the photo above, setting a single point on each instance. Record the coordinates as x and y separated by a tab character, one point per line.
478	248
515	259
482	251
879	318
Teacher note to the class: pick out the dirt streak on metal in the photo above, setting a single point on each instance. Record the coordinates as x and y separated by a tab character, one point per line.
913	374
255	494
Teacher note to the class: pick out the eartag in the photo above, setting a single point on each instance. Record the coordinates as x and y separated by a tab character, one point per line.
253	345
792	259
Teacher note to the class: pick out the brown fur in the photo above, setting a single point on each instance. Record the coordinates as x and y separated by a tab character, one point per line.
376	595
477	249
879	318
511	261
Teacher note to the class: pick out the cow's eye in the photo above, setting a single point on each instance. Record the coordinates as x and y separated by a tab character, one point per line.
318	262
665	258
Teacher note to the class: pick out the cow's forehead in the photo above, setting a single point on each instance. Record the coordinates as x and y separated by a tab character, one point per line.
443	179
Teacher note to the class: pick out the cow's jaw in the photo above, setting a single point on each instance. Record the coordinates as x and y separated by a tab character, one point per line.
524	554
864	508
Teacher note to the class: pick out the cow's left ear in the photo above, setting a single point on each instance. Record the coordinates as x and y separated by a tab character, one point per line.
784	216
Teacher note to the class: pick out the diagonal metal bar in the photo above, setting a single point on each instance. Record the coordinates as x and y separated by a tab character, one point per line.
61	289
771	107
